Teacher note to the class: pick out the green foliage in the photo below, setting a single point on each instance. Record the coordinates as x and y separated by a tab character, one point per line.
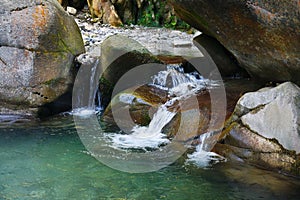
157	13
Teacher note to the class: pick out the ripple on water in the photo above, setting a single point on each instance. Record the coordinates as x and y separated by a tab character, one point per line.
49	162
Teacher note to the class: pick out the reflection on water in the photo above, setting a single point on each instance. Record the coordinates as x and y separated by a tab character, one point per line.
46	160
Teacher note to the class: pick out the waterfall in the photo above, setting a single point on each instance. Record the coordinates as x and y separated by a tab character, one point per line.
179	85
87	100
146	136
203	157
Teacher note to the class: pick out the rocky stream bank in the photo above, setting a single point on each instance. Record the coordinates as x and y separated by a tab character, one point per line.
41	44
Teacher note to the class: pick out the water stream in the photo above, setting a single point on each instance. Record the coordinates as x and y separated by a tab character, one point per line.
88	98
143	137
151	136
180	86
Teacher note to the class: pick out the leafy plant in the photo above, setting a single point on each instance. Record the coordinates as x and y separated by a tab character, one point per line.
157	13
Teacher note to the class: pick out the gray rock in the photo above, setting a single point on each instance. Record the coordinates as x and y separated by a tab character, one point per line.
182	43
39	41
264	129
277	116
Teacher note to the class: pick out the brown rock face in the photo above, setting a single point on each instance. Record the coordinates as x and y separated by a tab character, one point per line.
38	44
104	10
141	104
264	36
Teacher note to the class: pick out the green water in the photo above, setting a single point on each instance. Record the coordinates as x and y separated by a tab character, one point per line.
46	160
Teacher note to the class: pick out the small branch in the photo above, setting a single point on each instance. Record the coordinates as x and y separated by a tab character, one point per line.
3	61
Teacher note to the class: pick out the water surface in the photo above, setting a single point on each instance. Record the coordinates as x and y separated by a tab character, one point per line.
46	160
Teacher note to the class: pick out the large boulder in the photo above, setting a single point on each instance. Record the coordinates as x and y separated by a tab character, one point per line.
226	63
262	35
121	55
39	41
265	130
274	113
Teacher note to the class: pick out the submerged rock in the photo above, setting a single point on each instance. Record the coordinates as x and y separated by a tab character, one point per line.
39	41
262	35
265	130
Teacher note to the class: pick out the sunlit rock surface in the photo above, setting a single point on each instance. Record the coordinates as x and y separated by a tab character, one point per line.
39	41
264	129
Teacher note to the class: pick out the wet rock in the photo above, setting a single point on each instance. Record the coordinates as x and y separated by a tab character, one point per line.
266	125
201	112
39	41
262	35
193	116
283	162
134	106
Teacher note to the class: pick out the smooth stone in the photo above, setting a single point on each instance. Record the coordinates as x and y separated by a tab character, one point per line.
71	10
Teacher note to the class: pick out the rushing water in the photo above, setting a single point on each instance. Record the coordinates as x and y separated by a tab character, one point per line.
46	160
146	137
179	86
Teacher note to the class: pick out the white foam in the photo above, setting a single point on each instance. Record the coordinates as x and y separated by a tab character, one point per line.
145	136
126	98
83	112
180	86
202	157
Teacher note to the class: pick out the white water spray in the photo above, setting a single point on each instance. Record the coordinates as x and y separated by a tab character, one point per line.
88	105
146	136
180	85
203	157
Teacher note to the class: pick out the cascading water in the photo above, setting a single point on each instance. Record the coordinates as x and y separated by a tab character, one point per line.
143	137
180	86
203	157
90	102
